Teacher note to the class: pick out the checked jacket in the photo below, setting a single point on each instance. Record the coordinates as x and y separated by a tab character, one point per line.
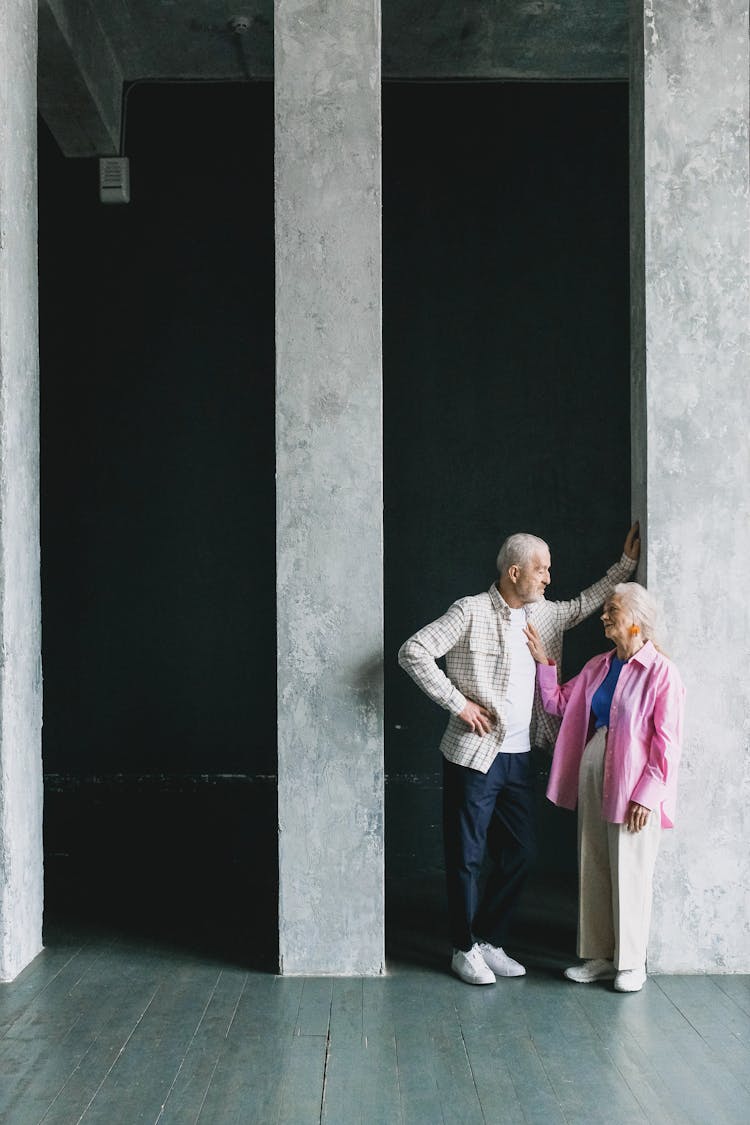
471	636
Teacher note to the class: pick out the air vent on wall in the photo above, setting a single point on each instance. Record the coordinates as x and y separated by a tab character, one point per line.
114	179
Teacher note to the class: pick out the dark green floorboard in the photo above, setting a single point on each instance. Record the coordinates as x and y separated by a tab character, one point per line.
105	1032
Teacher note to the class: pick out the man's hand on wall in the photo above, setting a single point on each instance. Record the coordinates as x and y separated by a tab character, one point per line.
632	546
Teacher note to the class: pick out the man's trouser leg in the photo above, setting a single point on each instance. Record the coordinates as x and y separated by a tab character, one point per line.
468	801
511	843
501	802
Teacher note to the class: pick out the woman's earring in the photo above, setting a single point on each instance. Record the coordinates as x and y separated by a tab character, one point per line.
634	630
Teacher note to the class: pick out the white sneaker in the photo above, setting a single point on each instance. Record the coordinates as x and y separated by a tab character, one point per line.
499	961
471	966
598	969
630	980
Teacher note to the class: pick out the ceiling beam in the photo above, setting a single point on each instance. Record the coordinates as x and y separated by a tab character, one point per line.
79	79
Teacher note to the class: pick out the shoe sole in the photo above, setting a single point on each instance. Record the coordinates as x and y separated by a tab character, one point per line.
590	980
480	983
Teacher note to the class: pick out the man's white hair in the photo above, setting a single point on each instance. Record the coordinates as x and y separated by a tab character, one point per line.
518	550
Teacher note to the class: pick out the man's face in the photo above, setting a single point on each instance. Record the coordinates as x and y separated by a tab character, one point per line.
532	579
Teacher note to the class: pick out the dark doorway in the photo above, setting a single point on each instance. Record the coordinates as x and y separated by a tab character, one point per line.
157	376
506	345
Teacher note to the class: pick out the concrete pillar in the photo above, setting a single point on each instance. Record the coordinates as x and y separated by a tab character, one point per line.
21	885
691	408
329	485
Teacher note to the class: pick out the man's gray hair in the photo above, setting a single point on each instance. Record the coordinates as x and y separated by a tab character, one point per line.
518	550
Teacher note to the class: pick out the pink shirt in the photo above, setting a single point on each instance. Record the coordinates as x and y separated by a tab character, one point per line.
644	738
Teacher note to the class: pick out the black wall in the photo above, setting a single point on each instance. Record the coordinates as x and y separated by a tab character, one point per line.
158	443
158	509
507	385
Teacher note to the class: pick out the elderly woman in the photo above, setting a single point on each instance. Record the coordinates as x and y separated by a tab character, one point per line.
616	756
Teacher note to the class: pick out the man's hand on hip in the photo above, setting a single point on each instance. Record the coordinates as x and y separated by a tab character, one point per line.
477	717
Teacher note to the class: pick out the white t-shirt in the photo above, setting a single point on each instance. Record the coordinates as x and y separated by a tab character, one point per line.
520	697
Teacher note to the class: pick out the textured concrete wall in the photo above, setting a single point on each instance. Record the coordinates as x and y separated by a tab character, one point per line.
693	76
21	886
329	486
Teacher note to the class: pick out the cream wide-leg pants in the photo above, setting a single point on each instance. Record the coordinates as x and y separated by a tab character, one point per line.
616	869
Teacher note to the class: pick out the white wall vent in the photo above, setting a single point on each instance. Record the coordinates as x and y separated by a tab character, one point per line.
114	179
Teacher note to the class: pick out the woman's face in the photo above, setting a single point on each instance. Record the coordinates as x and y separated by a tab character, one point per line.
616	621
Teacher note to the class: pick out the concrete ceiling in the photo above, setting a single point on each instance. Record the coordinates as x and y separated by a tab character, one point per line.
89	48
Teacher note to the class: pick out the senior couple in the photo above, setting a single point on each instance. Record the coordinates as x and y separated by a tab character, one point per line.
616	729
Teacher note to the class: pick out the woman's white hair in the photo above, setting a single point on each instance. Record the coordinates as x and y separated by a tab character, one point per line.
636	601
518	550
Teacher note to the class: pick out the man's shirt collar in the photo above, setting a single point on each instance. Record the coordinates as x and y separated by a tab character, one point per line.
500	604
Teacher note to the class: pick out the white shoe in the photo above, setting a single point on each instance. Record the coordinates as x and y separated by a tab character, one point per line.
598	969
499	961
630	980
471	966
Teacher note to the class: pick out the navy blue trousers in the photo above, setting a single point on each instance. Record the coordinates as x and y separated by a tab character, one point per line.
487	814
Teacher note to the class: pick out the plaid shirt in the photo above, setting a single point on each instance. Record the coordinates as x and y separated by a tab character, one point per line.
472	638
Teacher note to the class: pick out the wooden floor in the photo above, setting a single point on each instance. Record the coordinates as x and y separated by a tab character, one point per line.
117	1032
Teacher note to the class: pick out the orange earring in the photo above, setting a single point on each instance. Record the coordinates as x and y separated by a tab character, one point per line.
634	630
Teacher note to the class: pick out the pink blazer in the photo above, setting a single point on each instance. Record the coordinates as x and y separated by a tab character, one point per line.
644	737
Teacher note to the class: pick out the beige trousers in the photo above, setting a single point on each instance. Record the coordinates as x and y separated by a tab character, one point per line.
616	869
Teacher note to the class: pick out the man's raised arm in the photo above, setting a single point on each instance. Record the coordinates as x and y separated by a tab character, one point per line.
572	612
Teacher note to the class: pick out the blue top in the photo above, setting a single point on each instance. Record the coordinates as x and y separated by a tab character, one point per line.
602	698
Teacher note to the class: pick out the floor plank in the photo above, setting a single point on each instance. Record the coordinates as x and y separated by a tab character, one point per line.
302	1089
737	988
101	1045
346	1060
315	1006
186	1098
247	1084
588	1085
506	1064
137	1084
47	1037
718	1020
380	1094
639	1070
685	1080
428	1038
36	977
361	1082
399	1007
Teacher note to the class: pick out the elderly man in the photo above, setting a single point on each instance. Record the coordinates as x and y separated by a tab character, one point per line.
489	688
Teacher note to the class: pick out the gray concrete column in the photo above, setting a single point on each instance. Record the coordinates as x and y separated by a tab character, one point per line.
691	389
329	485
21	885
